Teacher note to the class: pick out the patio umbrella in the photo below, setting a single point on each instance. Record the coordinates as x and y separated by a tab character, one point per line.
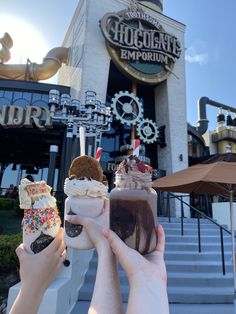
217	178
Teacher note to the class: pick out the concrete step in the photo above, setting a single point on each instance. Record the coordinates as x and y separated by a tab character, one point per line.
194	238
177	294
182	279
189	256
209	258
190	266
200	295
186	219
82	307
203	267
191	225
193	231
186	246
199	280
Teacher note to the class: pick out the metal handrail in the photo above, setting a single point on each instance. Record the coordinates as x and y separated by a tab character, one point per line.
199	214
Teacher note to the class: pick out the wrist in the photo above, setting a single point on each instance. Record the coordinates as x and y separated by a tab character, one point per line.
104	248
142	280
32	292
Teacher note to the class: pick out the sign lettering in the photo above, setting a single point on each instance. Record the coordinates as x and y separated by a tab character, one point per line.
16	117
138	43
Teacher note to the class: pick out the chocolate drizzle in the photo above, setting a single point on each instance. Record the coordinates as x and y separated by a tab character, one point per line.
72	230
128	217
41	243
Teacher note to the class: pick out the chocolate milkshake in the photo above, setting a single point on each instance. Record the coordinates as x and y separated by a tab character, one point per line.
133	206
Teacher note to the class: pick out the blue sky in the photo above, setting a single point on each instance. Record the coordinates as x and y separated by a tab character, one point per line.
209	42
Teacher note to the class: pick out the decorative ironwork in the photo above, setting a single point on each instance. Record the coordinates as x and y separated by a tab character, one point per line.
93	115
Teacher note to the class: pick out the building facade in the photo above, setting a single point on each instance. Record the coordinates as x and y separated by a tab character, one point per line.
118	55
131	47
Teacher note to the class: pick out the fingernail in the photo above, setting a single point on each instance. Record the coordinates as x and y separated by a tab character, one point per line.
105	232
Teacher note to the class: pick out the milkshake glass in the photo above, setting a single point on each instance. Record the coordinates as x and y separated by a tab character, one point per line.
133	206
86	197
41	221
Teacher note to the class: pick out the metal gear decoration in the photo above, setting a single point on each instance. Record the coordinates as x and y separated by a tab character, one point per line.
127	108
147	131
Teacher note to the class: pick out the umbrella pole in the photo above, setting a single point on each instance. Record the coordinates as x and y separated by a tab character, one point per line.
232	237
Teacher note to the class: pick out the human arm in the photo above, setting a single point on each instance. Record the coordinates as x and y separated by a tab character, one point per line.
106	297
147	275
37	271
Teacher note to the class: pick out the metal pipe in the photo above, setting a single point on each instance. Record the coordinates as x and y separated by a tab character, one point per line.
199	234
222	250
36	72
182	217
168	205
202	123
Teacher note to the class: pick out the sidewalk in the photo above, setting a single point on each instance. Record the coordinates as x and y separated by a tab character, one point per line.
82	308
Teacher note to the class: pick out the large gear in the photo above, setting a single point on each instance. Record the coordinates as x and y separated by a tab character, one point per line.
127	108
147	131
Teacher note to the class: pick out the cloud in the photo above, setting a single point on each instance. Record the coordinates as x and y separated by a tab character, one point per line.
192	56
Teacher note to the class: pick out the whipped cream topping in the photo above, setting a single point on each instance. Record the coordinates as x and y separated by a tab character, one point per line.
45	202
133	173
85	188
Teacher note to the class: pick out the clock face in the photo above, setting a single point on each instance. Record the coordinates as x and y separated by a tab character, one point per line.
139	46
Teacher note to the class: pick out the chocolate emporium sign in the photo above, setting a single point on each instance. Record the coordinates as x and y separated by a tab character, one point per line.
139	46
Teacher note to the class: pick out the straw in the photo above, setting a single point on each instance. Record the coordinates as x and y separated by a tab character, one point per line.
136	147
98	153
82	140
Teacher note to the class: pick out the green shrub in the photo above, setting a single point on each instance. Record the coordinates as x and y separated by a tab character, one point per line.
8	204
8	257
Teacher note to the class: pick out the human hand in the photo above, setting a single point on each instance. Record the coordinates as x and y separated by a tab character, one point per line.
94	226
140	269
37	271
106	294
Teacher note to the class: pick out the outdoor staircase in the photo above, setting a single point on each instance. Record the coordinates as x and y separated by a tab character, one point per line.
193	277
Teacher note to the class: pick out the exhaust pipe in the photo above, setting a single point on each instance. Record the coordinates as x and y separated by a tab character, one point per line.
202	123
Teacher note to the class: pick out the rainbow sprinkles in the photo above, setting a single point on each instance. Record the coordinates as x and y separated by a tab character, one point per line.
40	219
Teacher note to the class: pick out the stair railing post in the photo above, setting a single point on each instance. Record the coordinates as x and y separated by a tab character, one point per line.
222	250
168	205
182	216
199	234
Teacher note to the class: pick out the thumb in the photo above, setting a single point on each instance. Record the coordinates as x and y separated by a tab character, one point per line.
124	254
75	219
87	222
20	251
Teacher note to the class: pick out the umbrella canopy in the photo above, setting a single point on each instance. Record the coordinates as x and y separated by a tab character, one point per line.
217	178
